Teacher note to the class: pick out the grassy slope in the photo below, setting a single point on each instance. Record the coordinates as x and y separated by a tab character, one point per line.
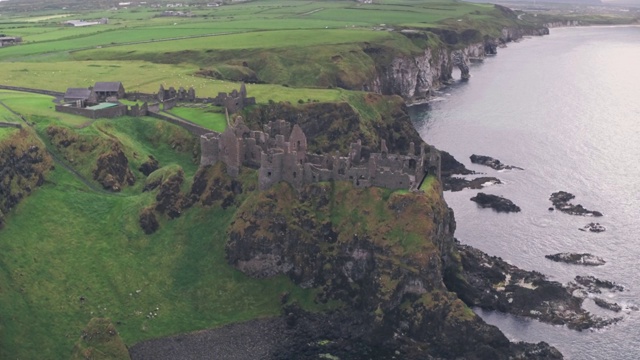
66	242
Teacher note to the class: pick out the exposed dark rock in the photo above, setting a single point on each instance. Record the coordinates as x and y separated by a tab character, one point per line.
112	169
492	163
23	165
593	227
578	259
148	221
594	285
490	283
170	200
561	202
450	166
389	310
210	186
298	334
453	183
497	203
149	166
607	305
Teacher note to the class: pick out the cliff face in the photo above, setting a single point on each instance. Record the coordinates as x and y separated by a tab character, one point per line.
413	76
382	255
417	76
23	164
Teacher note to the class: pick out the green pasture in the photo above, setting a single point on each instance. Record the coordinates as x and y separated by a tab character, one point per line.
144	77
253	40
39	108
209	118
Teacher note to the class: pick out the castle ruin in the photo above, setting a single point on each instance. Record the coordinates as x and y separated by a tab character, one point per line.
280	154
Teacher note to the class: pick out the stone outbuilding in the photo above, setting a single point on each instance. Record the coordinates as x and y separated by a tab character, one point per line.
77	94
105	90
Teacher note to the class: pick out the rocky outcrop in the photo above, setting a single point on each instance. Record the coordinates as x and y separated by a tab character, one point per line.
491	283
112	169
497	203
593	285
495	164
593	227
148	221
24	163
615	307
149	166
577	259
561	201
453	183
348	243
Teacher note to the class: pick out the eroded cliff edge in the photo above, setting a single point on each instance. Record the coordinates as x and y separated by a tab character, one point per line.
382	255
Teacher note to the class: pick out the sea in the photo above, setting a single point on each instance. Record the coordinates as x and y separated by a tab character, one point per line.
566	108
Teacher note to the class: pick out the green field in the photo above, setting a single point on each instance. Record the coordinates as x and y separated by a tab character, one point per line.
213	119
71	252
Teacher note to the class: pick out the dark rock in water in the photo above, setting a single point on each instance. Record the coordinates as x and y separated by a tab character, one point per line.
149	166
607	305
594	285
450	166
457	184
593	227
561	202
551	208
497	203
577	259
492	163
491	283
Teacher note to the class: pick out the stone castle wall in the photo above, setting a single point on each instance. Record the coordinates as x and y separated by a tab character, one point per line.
280	154
109	113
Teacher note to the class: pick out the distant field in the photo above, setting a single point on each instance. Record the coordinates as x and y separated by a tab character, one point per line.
35	107
254	40
145	77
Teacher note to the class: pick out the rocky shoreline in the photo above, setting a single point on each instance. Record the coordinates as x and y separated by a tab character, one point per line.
493	284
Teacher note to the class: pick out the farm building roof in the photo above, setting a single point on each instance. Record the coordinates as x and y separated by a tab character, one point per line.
102	106
77	93
107	86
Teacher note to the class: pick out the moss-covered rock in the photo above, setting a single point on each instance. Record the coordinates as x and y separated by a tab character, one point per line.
378	252
112	169
24	163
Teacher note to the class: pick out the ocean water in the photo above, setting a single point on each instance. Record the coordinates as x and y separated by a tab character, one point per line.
566	108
